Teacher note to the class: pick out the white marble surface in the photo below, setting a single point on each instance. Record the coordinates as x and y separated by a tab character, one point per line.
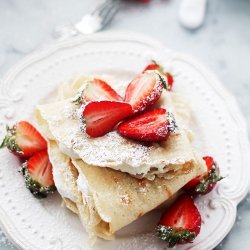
222	44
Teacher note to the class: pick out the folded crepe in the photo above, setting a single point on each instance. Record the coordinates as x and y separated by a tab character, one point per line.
61	121
106	199
86	186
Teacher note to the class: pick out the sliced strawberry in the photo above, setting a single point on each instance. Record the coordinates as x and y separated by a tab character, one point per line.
155	66
150	126
23	140
145	90
205	183
181	223
98	90
101	117
38	175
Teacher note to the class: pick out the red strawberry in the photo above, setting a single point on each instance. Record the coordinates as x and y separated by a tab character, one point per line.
101	117
150	126
205	183
145	90
152	66
38	175
23	140
181	223
98	90
155	66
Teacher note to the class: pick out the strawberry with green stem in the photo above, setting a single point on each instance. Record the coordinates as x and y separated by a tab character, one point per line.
181	223
23	140
206	182
37	171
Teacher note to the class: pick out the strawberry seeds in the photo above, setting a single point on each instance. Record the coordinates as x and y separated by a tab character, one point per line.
106	109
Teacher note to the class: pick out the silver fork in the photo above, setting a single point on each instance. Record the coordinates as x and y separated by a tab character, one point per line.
98	18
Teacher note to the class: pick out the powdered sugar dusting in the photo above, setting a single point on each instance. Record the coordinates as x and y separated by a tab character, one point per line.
172	126
63	177
142	190
112	150
162	131
146	79
125	199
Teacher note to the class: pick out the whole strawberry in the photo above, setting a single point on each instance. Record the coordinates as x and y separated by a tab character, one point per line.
205	183
181	223
23	140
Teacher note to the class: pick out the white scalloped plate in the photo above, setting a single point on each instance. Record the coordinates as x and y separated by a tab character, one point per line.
219	126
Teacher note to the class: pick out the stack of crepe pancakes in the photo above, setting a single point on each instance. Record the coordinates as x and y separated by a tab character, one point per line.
111	181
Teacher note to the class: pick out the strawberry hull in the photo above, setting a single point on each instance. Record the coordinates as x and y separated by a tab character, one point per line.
181	223
37	172
23	140
205	183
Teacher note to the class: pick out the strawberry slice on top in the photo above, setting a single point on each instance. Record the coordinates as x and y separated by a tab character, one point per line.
101	117
23	140
98	90
38	175
206	182
150	126
145	90
181	223
155	66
